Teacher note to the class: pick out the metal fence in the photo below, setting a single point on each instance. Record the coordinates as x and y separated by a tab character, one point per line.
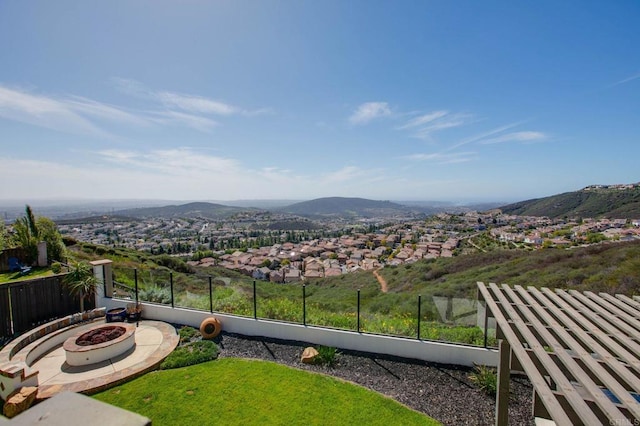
447	319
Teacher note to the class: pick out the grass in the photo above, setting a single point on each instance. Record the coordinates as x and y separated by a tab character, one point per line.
11	277
244	392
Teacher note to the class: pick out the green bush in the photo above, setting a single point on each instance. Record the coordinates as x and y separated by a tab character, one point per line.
326	356
486	378
187	334
191	353
156	294
56	267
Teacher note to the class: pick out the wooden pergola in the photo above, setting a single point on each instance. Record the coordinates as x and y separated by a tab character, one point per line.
580	350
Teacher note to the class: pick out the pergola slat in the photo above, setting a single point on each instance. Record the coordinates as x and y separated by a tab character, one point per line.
593	338
613	345
545	394
574	399
616	329
594	366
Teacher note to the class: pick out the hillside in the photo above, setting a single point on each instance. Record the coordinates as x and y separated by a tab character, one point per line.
189	210
593	202
608	267
348	208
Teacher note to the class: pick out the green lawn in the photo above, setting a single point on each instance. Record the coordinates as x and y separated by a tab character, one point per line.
244	392
6	277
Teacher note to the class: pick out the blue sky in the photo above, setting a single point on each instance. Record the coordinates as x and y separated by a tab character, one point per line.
424	100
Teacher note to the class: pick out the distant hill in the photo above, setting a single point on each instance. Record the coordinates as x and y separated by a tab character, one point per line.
614	202
189	210
349	208
97	219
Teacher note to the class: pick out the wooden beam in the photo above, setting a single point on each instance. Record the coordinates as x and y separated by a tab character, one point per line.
502	391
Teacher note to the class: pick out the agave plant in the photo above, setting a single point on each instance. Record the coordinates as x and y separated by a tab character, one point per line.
81	282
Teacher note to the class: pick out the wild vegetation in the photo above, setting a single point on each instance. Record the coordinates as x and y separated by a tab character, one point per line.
595	202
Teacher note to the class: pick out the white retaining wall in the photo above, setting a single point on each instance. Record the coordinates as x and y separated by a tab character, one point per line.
403	347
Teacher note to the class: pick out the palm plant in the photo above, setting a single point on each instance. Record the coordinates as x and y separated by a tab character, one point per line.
81	282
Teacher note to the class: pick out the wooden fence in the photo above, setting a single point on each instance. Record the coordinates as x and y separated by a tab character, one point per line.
26	304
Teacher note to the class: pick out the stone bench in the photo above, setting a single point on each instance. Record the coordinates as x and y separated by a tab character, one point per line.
17	357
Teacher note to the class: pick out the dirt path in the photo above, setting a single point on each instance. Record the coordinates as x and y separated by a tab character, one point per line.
382	281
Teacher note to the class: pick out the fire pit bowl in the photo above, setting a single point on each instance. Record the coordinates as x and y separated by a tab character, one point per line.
99	344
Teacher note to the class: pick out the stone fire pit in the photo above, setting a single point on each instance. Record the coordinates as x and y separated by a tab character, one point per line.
99	344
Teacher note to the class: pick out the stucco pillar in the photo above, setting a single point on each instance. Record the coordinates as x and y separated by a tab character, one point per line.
103	271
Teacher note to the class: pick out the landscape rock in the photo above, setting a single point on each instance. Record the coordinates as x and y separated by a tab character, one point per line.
19	400
309	355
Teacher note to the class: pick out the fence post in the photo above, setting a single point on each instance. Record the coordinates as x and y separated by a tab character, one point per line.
255	305
419	313
171	283
135	280
210	295
304	304
358	329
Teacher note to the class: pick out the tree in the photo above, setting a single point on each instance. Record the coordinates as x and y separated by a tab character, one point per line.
30	231
48	232
26	235
4	238
81	282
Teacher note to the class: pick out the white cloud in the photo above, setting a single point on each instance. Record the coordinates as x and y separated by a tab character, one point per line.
179	174
197	122
516	137
484	135
442	122
43	111
424	119
369	111
196	104
443	158
626	80
185	102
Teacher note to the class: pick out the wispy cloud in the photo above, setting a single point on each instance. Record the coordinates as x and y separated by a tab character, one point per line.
81	115
424	119
626	80
516	137
196	104
197	122
369	111
49	112
179	173
443	158
483	135
424	125
184	102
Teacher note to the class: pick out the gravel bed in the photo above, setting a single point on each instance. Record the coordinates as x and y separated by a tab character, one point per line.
441	391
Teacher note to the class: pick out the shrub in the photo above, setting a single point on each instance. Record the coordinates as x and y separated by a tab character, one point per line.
56	267
191	353
156	294
486	378
187	334
326	356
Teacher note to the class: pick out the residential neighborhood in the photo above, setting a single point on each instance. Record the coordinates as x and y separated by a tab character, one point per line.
248	246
